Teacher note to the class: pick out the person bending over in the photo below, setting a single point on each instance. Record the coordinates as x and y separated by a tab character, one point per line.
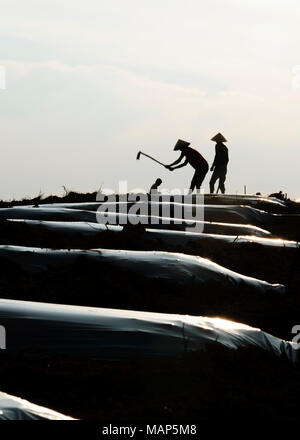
192	157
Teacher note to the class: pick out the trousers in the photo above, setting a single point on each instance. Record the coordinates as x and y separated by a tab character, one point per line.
218	173
198	177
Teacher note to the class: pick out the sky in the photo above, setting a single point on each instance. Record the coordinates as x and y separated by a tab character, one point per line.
86	84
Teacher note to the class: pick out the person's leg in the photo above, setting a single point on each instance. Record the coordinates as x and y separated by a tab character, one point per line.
222	179
213	180
193	182
198	177
201	173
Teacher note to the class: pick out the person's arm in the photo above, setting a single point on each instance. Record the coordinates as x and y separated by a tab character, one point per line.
181	165
176	161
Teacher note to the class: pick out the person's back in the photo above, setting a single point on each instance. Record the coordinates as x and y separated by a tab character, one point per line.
221	158
194	158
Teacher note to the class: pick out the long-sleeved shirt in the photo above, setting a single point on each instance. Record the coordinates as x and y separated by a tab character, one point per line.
194	158
221	156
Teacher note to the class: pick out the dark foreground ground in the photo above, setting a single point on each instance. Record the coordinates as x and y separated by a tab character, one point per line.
101	285
216	384
202	386
89	284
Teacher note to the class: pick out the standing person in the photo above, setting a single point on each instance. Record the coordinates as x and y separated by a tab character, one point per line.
219	166
192	157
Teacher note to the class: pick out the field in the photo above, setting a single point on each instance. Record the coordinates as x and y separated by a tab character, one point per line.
48	258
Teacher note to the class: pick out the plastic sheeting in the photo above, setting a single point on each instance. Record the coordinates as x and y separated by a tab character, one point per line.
15	408
113	219
51	214
90	230
182	237
211	199
174	267
241	199
97	333
208	213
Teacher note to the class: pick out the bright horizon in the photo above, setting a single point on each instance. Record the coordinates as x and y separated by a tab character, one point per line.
89	84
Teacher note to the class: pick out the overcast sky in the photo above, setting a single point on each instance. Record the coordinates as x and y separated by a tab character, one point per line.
89	83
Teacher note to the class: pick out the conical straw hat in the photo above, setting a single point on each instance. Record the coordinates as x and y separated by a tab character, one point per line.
219	138
180	143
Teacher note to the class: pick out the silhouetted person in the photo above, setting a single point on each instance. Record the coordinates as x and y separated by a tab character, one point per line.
192	157
219	166
154	187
